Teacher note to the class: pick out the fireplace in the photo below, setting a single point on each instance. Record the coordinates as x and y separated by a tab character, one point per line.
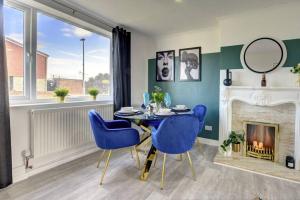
261	140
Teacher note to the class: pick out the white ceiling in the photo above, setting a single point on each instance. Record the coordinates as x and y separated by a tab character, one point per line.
158	17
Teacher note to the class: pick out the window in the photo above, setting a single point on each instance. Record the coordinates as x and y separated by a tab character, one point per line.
65	55
14	43
70	57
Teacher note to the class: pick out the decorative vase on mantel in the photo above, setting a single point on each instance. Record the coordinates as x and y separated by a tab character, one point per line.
228	80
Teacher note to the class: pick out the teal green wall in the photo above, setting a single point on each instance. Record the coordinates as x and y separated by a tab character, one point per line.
206	91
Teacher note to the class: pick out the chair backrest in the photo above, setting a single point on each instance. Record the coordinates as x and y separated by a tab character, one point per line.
200	112
98	128
176	134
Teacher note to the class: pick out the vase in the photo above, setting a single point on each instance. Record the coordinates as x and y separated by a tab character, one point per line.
228	80
236	147
61	99
298	81
158	106
94	98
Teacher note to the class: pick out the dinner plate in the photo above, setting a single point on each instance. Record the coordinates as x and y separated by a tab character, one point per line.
128	112
165	114
176	108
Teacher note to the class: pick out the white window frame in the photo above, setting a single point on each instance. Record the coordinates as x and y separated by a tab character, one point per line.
26	50
30	44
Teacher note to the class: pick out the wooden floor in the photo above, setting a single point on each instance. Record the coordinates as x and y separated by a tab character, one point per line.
80	180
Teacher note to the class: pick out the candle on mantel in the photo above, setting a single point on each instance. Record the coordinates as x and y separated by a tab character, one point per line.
254	144
260	145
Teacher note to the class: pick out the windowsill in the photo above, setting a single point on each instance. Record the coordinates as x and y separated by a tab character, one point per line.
55	104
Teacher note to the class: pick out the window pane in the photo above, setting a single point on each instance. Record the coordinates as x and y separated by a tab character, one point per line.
60	60
14	43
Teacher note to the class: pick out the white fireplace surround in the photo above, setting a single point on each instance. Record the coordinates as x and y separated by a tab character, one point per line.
270	96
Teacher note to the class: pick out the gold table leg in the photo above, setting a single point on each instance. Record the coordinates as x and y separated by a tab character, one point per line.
148	163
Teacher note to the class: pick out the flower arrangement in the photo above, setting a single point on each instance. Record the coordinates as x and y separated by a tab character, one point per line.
296	70
93	92
157	97
61	93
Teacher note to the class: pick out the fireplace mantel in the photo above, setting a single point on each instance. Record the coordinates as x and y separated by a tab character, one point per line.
259	96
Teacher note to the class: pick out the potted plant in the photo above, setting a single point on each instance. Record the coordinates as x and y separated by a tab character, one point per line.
157	97
93	92
225	148
236	139
296	70
232	143
61	93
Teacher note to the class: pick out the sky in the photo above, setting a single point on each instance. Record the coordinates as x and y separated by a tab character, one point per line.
61	41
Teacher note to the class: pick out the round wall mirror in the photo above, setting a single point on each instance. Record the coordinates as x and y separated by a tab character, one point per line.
263	55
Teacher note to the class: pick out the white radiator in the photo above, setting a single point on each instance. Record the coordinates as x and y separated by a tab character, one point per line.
57	129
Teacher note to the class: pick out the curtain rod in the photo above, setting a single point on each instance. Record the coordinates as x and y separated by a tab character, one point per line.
74	11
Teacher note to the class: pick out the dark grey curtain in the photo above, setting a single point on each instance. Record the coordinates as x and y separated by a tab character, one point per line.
121	68
5	143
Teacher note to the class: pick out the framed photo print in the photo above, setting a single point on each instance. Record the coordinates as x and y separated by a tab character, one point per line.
190	64
165	65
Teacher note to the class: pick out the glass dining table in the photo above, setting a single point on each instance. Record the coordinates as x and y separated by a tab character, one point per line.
145	121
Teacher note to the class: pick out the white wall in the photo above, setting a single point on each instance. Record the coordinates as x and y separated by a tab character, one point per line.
281	22
207	38
142	48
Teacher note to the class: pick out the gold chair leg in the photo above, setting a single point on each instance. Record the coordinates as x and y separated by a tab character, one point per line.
131	153
106	165
137	158
100	159
179	157
163	172
191	165
156	154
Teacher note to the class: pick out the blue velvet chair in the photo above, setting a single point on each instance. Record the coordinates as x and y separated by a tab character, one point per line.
200	112
176	135
110	135
112	124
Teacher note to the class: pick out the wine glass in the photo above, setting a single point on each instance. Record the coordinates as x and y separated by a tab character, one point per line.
146	99
167	100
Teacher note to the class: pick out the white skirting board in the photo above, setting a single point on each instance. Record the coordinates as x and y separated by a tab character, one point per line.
208	141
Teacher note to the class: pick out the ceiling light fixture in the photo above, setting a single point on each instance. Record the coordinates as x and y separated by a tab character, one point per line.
178	1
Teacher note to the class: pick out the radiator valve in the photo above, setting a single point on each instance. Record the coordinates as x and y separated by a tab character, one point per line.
27	157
